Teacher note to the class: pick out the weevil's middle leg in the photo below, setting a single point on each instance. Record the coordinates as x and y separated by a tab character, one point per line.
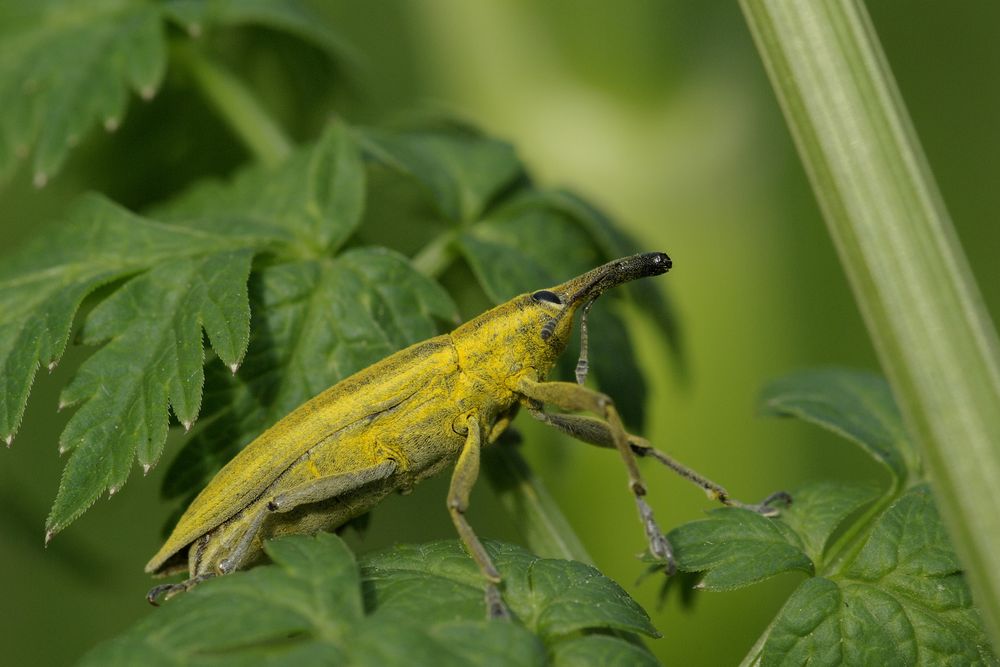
598	432
462	481
569	396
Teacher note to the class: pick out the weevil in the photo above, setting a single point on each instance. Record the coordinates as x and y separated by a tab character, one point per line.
432	405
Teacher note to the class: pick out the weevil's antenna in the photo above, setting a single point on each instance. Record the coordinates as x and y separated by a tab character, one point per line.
582	364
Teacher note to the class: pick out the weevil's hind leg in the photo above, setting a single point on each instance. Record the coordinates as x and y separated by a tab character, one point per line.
598	432
321	488
569	396
166	591
462	481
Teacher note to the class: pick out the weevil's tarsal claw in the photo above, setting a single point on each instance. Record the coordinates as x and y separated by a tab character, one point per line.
495	607
659	545
164	592
769	507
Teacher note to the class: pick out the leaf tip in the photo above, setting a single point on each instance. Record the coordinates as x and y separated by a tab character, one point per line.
187	425
9	439
147	93
235	366
52	365
194	29
49	534
113	490
146	467
40	179
111	123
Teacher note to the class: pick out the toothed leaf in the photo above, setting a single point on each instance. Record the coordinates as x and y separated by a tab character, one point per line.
901	601
460	169
406	606
66	66
154	358
172	287
854	404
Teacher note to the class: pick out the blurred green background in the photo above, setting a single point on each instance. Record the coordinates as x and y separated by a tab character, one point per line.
660	113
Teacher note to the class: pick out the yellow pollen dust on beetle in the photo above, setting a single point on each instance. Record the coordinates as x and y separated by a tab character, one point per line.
430	406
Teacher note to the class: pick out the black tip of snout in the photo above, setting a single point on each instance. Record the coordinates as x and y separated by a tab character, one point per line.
657	262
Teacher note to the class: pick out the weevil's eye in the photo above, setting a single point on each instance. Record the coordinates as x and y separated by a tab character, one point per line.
545	295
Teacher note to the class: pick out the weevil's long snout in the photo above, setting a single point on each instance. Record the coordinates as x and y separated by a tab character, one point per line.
592	284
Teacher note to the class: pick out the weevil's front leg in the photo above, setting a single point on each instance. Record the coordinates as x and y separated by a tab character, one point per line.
569	396
462	481
598	432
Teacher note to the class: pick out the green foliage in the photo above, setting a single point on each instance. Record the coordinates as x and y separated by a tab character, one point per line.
884	586
65	66
408	605
280	246
231	303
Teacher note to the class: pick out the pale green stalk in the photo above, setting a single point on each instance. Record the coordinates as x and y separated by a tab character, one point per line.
236	105
896	242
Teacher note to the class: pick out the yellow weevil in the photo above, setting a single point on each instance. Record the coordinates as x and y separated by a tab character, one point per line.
405	419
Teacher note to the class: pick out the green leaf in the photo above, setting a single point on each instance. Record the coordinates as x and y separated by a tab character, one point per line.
315	323
552	598
737	547
291	16
42	287
176	280
902	600
601	651
65	66
514	250
818	509
413	605
461	169
854	404
313	201
155	356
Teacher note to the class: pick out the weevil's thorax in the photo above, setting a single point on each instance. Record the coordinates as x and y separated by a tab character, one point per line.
523	335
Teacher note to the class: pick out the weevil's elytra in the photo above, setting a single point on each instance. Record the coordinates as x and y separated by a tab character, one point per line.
406	418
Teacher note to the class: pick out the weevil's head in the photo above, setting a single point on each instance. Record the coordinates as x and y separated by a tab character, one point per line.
532	330
562	301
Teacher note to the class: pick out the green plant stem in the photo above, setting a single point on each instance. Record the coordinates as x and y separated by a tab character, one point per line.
525	498
237	105
436	256
911	280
